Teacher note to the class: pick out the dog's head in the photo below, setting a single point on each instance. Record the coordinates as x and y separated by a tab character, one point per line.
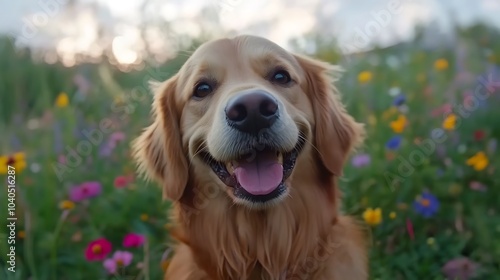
241	112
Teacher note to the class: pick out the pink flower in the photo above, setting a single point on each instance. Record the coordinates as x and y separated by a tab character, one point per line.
133	240
116	137
85	190
460	269
98	249
122	181
119	259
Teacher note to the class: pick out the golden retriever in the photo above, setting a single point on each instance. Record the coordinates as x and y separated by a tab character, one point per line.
248	141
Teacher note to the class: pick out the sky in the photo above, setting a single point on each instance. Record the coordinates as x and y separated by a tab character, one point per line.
85	26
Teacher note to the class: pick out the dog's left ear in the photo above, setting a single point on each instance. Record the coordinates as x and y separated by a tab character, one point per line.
336	133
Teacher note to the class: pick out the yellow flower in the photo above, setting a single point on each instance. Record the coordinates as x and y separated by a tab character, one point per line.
16	161
402	206
144	217
389	113
421	78
365	76
62	100
373	217
21	234
431	241
479	161
441	64
372	120
392	215
492	58
66	205
399	125
450	122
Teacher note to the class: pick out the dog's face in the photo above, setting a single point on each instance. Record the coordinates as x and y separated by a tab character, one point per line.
238	114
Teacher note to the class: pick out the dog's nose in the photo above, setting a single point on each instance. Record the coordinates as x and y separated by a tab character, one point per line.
250	112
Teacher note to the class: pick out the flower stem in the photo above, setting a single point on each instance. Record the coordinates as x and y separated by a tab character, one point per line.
53	253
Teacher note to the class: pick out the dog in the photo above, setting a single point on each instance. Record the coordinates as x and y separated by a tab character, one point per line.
248	141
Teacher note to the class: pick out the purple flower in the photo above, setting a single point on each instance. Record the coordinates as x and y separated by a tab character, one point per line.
361	160
426	205
399	100
394	142
460	269
85	191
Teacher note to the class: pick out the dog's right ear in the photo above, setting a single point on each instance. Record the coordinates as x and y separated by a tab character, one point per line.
158	150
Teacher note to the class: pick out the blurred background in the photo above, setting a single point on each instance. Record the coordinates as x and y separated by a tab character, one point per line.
423	76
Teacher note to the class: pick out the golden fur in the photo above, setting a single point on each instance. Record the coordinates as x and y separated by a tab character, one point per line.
303	236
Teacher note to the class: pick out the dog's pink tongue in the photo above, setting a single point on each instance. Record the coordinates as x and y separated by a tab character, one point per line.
259	174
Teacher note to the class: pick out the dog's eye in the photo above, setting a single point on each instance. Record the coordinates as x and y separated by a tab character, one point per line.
202	90
281	77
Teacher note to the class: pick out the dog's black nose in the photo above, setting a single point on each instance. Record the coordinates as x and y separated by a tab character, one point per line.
250	112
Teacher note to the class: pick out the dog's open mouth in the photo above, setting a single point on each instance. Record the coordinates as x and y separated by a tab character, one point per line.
257	176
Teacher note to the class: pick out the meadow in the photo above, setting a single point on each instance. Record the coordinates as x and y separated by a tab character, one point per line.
425	182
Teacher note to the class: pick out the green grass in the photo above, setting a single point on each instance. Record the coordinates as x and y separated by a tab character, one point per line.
466	224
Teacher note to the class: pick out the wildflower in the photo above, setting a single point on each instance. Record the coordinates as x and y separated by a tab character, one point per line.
399	124
85	190
119	259
361	160
77	236
479	135
399	100
117	136
62	100
17	161
426	205
389	113
479	161
144	217
450	122
392	215
441	64
365	76
431	241
133	240
460	268
394	142
98	249
373	217
122	181
409	228
421	78
21	234
403	109
372	120
477	186
394	91
492	146
455	189
66	205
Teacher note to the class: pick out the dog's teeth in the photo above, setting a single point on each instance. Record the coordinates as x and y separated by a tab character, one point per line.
280	158
229	167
